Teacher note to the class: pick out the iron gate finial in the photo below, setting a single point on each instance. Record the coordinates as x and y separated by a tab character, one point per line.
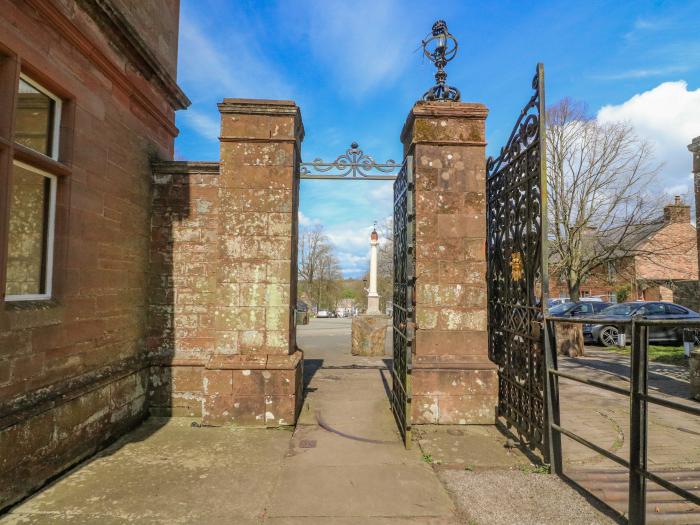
444	51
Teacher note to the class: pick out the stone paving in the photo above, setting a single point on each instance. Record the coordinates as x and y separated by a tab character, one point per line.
603	418
353	471
345	463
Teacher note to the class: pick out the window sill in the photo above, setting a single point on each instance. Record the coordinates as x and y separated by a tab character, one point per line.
22	315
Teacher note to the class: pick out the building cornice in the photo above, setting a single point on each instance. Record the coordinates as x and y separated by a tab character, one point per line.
122	32
53	15
184	167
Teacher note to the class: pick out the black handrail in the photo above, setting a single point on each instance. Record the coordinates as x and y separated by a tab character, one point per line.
639	400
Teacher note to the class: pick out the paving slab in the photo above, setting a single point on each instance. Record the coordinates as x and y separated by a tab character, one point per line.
468	447
410	490
167	472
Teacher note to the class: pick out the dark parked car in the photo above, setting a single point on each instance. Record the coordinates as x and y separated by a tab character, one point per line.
579	309
607	333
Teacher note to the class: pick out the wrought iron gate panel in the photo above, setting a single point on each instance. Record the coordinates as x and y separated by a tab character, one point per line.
517	270
403	301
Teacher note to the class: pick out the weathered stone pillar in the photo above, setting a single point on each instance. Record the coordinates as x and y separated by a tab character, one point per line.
254	378
453	380
694	148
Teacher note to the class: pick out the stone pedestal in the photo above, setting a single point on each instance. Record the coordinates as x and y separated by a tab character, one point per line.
373	304
369	334
453	380
569	338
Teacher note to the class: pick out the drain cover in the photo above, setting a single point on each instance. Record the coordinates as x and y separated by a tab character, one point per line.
307	443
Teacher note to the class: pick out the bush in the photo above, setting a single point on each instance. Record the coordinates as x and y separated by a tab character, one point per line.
622	293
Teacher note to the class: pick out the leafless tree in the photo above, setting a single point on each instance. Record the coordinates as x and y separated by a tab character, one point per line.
385	262
600	181
314	247
318	268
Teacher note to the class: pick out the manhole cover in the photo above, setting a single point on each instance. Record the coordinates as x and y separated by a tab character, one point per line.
454	432
307	443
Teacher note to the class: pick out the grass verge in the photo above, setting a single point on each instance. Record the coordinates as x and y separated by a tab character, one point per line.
670	355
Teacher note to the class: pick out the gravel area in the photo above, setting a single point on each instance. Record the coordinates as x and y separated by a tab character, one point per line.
511	497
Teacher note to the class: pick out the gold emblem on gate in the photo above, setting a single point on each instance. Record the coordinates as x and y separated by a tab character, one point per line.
516	266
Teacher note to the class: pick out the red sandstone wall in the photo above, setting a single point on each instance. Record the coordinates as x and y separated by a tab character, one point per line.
157	23
73	370
671	253
184	260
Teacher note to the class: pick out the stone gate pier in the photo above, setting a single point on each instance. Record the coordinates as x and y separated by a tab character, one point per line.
223	274
454	382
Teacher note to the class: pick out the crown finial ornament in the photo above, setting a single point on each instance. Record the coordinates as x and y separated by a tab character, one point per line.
440	47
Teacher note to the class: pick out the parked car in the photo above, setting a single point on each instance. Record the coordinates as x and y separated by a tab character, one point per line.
302	313
323	314
557	301
607	332
580	309
563	300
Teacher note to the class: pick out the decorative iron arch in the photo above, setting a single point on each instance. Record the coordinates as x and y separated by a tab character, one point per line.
354	164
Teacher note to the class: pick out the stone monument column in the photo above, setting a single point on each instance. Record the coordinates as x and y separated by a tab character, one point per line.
454	382
368	334
372	295
254	377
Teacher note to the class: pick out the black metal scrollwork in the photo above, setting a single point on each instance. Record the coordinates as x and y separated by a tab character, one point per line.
445	49
517	270
353	164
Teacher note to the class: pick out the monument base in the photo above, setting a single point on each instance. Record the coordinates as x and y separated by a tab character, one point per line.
369	334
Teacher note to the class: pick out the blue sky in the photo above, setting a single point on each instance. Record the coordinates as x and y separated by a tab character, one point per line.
355	69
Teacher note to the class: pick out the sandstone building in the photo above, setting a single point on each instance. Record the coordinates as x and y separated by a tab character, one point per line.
663	264
87	101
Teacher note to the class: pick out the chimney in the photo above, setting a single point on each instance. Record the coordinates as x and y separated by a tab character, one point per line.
677	212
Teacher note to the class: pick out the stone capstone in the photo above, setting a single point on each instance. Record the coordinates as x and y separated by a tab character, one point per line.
369	334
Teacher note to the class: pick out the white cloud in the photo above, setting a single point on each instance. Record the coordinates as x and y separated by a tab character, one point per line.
668	116
212	67
206	125
645	72
304	220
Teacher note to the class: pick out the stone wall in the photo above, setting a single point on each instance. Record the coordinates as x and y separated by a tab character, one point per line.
73	370
453	380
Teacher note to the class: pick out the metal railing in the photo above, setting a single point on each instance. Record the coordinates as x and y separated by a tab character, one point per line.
638	394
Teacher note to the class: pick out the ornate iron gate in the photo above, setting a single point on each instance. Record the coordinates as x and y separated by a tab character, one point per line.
517	270
403	303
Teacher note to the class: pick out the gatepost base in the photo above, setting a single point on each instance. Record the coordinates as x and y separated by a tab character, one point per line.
454	393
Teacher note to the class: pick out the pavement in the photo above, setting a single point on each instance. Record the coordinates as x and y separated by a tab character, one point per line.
673	448
344	462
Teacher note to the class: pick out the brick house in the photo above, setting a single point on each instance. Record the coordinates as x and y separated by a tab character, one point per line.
87	100
664	258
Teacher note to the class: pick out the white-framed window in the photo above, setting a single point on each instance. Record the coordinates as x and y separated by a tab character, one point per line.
38	117
31	234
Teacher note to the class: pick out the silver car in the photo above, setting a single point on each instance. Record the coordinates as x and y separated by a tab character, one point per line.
607	332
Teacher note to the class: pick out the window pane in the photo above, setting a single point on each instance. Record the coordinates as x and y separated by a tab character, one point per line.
35	118
29	205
